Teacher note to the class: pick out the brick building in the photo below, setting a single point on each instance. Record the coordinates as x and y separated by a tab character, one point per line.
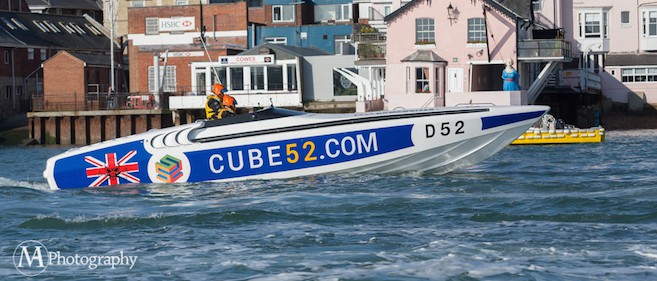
30	39
14	5
86	76
172	33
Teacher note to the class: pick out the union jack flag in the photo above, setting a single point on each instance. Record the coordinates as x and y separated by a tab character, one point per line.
111	170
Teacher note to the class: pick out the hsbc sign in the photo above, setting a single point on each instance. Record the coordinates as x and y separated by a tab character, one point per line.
177	24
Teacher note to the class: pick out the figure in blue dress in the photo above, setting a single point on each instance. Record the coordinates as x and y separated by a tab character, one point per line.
510	77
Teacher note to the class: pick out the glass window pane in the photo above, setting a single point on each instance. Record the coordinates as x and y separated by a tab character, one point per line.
291	77
236	78
275	77
257	78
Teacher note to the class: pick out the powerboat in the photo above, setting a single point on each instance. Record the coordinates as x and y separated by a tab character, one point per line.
275	143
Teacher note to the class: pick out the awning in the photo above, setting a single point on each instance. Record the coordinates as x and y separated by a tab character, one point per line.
630	59
424	56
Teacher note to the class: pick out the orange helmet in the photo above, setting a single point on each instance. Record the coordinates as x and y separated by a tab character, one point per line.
218	88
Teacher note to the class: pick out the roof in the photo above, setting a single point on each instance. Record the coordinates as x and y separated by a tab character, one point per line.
424	56
50	31
630	59
93	59
66	4
284	51
512	8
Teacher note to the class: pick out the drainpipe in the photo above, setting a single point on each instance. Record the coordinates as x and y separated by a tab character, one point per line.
486	30
13	78
156	73
253	43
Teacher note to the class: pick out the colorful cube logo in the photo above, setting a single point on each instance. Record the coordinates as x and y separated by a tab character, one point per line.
169	169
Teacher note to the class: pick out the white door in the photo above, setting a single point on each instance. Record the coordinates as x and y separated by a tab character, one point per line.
455	80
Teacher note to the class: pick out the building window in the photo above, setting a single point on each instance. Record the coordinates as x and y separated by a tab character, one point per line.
282	13
639	74
476	30
152	25
6	57
9	24
343	45
44	55
93	29
343	86
257	78
424	31
344	13
181	2
236	78
625	18
276	40
335	12
537	5
169	84
436	82
387	9
649	23
30	53
593	25
422	80
8	92
291	77
275	78
137	3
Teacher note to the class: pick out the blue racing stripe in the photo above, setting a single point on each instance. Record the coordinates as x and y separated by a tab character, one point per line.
501	120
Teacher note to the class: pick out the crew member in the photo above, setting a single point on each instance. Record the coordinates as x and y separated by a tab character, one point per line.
219	105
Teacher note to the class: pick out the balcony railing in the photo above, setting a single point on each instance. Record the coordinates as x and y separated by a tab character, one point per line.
99	101
544	49
371	51
368	37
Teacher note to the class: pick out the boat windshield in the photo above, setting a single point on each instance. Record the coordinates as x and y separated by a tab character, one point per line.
263	114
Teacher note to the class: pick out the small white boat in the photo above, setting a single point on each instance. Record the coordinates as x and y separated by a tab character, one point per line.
278	143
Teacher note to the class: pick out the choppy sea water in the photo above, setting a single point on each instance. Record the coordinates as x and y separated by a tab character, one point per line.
562	212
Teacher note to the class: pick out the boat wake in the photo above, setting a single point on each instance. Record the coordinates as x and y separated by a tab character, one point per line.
41	186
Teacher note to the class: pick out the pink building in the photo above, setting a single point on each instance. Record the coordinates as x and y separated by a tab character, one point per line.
619	38
571	55
448	52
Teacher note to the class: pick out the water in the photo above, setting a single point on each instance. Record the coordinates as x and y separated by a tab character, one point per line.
566	212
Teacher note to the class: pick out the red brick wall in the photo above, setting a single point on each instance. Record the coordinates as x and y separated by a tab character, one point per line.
216	17
228	16
16	5
64	79
304	14
22	65
257	15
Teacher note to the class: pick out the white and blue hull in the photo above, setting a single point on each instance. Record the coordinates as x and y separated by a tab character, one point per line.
276	143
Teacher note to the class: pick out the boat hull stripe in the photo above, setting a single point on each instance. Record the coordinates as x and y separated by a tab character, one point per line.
501	120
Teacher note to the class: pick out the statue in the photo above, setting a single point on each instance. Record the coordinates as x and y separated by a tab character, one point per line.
510	77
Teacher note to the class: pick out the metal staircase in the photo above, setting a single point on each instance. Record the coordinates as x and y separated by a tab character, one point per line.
541	81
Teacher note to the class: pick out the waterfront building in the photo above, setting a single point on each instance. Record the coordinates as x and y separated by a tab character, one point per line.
617	41
458	51
30	40
14	5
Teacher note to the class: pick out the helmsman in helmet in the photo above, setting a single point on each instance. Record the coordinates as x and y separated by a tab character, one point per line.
219	104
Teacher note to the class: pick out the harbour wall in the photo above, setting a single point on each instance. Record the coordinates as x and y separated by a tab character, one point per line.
88	127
